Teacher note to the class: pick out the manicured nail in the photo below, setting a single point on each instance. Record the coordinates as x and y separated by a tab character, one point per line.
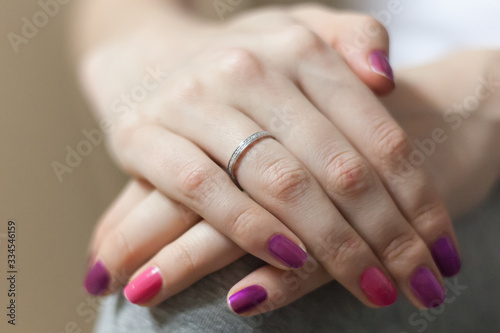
446	256
380	64
379	289
247	299
144	287
286	251
427	288
97	279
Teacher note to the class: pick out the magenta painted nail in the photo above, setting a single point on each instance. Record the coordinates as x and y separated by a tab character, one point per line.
247	299
286	251
380	64
144	287
446	256
427	288
379	289
97	279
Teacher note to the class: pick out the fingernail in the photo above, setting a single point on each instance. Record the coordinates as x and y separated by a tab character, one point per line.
380	64
144	287
446	256
427	288
97	279
379	289
247	299
286	251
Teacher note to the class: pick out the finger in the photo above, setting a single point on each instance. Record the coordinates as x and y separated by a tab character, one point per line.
134	192
276	180
371	129
361	40
193	179
346	177
268	289
153	223
198	252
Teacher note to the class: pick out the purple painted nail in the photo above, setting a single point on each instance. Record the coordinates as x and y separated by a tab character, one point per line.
247	299
380	64
427	288
446	256
286	251
97	279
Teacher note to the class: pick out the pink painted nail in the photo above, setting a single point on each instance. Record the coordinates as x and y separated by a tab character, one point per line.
144	287
379	289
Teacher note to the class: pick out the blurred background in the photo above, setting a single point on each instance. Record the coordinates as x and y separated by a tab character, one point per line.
42	112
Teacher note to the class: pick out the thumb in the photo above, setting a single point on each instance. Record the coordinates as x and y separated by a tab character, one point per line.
361	40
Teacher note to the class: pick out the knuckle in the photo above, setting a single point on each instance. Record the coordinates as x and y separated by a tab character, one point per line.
426	216
401	248
286	180
240	65
198	182
344	250
186	257
348	176
392	145
186	89
373	27
242	226
121	245
301	41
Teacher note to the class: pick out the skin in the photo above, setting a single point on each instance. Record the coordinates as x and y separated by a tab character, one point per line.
138	197
304	189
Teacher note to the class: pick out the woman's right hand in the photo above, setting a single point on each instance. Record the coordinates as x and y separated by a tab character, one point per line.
326	184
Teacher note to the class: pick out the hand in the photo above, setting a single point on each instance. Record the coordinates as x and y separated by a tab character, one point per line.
332	189
191	256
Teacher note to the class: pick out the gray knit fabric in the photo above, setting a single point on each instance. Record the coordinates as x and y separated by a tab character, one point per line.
472	305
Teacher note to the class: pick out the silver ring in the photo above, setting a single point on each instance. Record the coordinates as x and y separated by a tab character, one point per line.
241	148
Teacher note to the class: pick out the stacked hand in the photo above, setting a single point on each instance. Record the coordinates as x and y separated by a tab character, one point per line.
326	192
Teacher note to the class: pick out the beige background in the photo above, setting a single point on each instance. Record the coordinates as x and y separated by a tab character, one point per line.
41	113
